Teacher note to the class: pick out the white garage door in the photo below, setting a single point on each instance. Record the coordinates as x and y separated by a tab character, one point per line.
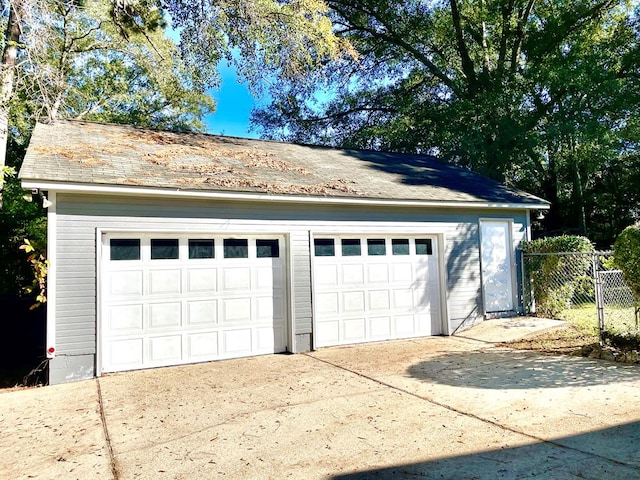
174	299
375	288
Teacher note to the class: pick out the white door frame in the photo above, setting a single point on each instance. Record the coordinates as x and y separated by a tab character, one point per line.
510	260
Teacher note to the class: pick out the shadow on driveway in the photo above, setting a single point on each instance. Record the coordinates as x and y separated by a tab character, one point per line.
579	456
519	370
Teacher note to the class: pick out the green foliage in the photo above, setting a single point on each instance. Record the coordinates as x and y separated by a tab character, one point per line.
89	62
5	173
626	256
557	278
40	266
544	95
274	39
18	220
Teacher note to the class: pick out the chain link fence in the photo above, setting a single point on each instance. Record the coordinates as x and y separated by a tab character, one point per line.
581	287
619	307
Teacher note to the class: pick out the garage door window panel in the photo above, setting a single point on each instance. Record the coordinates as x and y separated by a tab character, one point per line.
376	247
324	247
267	248
351	247
124	249
201	249
400	246
165	249
236	248
423	246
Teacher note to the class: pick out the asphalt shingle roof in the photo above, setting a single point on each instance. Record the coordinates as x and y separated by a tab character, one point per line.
75	152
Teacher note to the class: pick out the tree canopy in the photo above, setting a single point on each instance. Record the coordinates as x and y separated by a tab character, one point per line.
542	94
111	60
117	61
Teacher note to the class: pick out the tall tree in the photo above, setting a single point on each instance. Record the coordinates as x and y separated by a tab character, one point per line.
539	93
109	59
86	69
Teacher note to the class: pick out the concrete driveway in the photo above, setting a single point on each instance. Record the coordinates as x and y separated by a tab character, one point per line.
452	408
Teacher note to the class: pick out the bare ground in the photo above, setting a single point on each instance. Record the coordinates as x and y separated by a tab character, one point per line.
564	339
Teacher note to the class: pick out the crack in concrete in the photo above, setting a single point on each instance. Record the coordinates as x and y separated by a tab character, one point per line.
105	430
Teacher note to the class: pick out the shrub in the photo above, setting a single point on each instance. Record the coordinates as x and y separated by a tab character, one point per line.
557	278
626	256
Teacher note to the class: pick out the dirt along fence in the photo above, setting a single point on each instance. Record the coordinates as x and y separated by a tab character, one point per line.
580	287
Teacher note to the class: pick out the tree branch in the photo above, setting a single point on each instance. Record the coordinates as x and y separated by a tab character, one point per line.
467	64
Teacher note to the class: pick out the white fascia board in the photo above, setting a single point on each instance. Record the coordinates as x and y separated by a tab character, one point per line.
261	197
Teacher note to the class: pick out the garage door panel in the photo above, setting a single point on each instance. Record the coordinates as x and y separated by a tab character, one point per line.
202	280
327	303
327	332
126	283
237	310
202	345
202	313
402	298
402	273
165	282
197	302
422	298
326	275
352	275
266	339
380	327
163	315
125	318
354	329
236	279
403	325
266	309
428	324
126	353
353	301
165	349
379	300
266	278
424	271
378	273
237	341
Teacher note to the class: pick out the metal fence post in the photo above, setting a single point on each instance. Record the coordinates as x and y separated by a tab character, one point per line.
528	299
599	296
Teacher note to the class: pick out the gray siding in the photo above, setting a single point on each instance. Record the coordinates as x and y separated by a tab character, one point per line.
79	216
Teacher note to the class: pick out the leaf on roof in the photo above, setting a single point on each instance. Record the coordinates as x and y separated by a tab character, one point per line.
276	164
235	183
79	153
206	168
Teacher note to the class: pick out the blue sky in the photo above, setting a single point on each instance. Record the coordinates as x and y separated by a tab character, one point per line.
234	103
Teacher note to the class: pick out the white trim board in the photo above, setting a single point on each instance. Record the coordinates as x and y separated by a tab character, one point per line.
248	197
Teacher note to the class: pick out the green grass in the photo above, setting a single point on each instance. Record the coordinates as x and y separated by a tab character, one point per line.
583	318
580	331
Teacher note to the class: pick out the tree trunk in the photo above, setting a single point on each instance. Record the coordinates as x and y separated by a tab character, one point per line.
550	187
7	75
578	195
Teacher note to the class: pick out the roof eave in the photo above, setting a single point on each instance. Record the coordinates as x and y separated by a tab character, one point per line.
62	187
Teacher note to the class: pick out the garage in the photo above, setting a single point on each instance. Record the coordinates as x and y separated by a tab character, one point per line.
168	248
171	299
375	288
